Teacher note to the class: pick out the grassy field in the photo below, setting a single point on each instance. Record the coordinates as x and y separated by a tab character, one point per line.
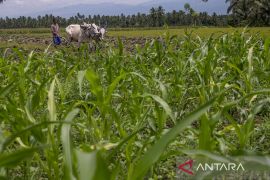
202	32
9	37
139	32
136	114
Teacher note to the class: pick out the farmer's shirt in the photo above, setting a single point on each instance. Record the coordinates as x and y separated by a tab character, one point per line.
55	29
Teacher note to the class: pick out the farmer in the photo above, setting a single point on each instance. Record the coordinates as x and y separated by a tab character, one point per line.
55	32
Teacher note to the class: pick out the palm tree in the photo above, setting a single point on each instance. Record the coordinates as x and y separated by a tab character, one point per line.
187	7
192	13
195	16
252	11
263	10
160	16
153	16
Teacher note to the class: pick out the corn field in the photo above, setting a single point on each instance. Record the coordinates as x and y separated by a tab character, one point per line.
115	114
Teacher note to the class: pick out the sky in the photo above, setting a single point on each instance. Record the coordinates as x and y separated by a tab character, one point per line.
17	7
14	8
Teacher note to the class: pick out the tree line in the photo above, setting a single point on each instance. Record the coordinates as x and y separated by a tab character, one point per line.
240	13
157	17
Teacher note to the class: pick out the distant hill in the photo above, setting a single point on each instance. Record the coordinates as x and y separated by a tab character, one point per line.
93	9
217	6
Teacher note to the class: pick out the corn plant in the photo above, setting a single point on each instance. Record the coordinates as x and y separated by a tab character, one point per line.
115	114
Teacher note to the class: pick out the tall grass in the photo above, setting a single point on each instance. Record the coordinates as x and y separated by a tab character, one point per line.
115	114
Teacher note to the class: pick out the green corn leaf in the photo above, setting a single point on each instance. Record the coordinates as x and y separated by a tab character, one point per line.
95	84
65	137
51	102
163	104
6	90
14	158
92	166
153	154
113	86
81	75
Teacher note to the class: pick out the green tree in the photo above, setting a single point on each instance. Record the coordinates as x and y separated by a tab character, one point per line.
255	12
153	16
263	10
192	13
160	16
187	7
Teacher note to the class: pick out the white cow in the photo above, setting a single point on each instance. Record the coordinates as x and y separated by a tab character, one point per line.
102	31
81	33
100	36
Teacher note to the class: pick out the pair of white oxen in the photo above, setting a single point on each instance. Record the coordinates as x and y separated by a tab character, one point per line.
85	32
